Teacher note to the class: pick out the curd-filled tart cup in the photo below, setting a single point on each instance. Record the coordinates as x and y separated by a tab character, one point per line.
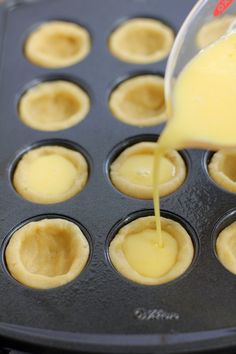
50	174
136	254
132	171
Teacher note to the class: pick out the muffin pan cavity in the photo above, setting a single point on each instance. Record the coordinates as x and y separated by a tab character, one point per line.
222	169
226	247
141	41
224	241
46	253
53	105
131	240
131	172
50	174
135	252
139	101
57	44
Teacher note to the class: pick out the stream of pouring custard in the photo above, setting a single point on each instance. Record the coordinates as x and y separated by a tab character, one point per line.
203	108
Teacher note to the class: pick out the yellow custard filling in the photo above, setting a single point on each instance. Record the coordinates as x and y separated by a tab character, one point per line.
50	174
57	44
202	111
138	169
132	171
47	253
141	41
58	179
212	111
137	255
144	255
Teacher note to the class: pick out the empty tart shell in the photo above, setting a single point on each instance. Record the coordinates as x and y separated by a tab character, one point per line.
57	44
47	253
222	169
54	105
213	30
226	246
50	174
131	172
123	260
139	101
141	41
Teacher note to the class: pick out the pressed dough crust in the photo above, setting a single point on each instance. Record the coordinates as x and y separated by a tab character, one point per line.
47	253
184	256
57	44
213	30
141	41
139	101
226	247
144	191
54	105
73	159
222	169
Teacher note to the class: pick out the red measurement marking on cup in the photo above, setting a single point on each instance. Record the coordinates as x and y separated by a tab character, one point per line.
222	6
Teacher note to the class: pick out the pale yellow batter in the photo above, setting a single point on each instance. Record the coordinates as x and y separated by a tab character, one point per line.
57	44
141	41
203	107
205	91
213	30
139	101
136	254
54	105
222	169
50	174
47	253
226	247
132	172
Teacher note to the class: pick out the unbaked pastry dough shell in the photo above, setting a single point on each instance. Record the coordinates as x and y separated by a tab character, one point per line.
216	170
120	93
146	30
23	275
51	90
225	247
73	31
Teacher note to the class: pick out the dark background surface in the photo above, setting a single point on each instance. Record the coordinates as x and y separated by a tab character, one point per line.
100	302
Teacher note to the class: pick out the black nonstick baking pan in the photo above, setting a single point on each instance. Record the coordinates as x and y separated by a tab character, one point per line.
100	311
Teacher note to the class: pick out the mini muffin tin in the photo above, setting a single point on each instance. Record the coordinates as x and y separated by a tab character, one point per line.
100	311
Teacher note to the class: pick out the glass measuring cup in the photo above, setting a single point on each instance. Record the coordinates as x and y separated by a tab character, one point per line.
185	46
